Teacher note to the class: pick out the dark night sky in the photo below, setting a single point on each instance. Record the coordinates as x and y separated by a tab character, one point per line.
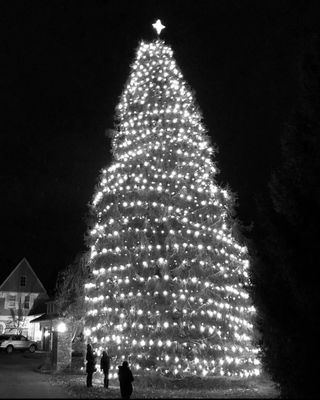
63	67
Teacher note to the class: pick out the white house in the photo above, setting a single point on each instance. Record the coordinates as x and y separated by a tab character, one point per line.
22	298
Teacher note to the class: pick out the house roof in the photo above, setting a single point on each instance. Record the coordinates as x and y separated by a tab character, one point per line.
40	305
45	317
23	268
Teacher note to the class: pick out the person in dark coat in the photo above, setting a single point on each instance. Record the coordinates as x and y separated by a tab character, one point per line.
125	379
91	364
105	366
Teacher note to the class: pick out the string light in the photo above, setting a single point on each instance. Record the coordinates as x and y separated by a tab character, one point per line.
168	278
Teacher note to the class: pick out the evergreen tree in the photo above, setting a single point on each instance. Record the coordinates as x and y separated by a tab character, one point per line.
169	287
285	273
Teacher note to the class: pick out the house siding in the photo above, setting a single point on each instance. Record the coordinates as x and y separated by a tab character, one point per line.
20	297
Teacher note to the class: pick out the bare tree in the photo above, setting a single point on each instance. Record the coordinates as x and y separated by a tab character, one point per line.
18	320
69	293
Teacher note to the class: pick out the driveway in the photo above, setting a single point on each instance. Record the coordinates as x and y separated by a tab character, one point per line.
19	380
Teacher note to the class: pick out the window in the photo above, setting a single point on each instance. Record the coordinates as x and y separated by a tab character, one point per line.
23	280
27	302
51	307
11	301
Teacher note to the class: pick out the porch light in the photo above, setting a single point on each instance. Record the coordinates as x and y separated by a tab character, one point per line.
62	327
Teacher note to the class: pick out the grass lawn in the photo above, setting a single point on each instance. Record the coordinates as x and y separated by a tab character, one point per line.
155	388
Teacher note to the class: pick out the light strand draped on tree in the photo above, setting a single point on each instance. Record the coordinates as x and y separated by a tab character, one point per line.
168	288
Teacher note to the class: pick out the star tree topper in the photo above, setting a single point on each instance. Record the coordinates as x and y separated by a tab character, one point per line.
158	26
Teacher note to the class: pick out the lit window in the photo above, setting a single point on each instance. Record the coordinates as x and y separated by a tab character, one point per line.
23	281
11	301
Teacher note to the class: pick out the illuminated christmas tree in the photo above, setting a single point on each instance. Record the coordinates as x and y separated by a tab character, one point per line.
168	288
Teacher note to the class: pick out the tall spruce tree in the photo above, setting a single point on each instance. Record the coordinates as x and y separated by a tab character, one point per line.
285	274
169	287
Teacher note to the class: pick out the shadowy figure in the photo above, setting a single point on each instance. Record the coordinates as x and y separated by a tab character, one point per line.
105	366
125	379
91	364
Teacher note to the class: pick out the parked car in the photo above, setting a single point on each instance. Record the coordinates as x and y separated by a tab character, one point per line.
10	342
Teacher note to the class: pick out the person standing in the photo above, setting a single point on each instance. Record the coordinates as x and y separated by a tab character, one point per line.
91	364
105	366
125	379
